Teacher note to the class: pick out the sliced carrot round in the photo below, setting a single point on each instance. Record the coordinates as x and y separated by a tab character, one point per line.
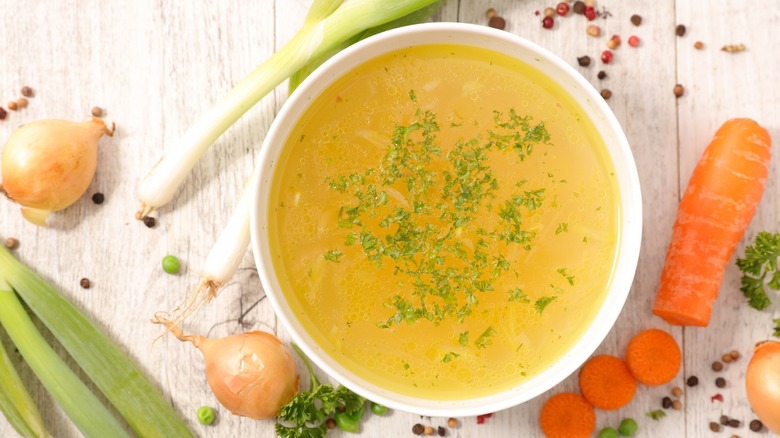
567	415
653	357
606	382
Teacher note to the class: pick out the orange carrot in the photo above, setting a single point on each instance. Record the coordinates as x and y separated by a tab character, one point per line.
606	382
653	357
718	204
567	415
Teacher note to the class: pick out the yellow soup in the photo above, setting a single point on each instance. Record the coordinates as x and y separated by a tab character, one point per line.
444	221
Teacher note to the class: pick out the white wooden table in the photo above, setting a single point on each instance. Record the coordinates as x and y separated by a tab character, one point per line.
156	65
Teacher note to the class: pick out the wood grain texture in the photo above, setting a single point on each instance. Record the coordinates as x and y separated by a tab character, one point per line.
155	66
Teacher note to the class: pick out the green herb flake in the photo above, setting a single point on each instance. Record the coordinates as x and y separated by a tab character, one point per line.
777	327
543	302
569	278
656	414
449	356
463	339
517	295
485	338
562	228
333	255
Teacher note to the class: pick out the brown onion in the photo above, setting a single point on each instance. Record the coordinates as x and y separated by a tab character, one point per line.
48	164
763	384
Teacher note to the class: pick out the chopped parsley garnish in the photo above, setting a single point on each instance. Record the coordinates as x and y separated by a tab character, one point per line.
569	278
333	255
485	338
543	302
759	269
656	414
413	207
463	339
449	356
562	227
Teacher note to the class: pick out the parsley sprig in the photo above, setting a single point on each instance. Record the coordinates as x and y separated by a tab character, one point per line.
304	416
759	269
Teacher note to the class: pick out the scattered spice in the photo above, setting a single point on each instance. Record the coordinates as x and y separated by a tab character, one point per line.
330	423
716	397
549	12
441	430
720	382
614	42
12	106
418	429
578	8
724	420
149	221
548	22
756	425
583	61
490	13
98	198
85	283
698	45
97	111
606	93
3	113
734	354
633	41
680	30
666	402
717	366
452	422
734	423
590	13
656	414
692	381
678	92
428	430
636	20
27	91
727	358
11	243
593	30
733	48
715	427
497	22
677	391
677	405
21	102
562	9
602	74
606	56
481	418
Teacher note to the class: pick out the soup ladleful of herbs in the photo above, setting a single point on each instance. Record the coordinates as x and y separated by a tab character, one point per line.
444	221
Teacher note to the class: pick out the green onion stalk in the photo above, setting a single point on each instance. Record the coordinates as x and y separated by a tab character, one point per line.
112	371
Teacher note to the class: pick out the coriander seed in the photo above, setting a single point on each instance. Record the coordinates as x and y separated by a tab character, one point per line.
490	13
715	427
418	429
27	91
593	30
734	354
717	366
727	358
497	23
720	382
12	106
11	243
676	405
428	430
678	92
452	422
677	391
21	102
606	93
698	45
549	12
97	111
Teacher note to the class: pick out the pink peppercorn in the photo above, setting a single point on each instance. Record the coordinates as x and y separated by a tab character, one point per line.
606	56
633	41
548	22
590	13
562	9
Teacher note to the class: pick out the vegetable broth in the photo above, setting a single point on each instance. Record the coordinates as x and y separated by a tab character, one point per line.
444	221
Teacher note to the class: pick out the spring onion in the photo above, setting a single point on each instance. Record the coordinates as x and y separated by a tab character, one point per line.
15	402
119	379
79	403
341	21
226	255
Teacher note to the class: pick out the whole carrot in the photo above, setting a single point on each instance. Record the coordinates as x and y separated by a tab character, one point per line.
717	206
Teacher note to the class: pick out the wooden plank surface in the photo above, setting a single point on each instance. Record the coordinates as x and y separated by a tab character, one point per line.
154	66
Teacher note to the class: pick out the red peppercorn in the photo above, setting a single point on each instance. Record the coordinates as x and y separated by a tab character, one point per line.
606	57
562	9
590	13
633	41
548	22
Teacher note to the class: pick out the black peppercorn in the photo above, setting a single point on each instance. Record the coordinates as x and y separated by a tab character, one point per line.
442	431
583	61
579	7
149	221
418	429
85	283
666	402
756	425
734	422
692	381
636	20
98	198
724	420
720	382
602	74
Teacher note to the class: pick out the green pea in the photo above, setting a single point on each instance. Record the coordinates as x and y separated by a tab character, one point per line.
628	427
608	432
378	409
171	264
206	415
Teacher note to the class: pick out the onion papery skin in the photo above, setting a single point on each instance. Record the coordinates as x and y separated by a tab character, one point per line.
762	383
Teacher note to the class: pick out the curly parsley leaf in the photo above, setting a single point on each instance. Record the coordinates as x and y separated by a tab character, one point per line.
759	269
777	327
656	414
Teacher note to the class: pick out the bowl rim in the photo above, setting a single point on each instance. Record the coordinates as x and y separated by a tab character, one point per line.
629	238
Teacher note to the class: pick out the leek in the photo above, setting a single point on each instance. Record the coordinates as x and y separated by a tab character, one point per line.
119	379
73	396
314	39
15	402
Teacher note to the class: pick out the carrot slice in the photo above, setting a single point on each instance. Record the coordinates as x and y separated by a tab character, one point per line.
606	382
717	206
567	415
653	357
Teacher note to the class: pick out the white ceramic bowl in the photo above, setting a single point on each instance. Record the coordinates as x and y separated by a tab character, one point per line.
566	77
